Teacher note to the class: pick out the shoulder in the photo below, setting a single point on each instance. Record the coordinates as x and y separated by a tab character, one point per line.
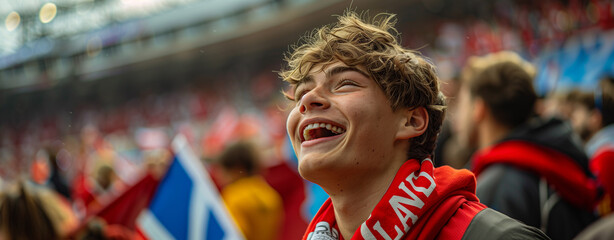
248	186
602	229
603	156
506	173
490	224
237	191
512	191
496	176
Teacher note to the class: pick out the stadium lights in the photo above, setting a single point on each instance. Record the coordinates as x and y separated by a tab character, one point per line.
12	21
47	12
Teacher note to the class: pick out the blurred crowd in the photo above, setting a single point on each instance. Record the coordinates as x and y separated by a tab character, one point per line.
89	159
62	168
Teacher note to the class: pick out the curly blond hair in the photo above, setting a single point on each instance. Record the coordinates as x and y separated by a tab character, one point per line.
407	78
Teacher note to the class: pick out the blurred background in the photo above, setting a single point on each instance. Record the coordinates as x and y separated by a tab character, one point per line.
89	85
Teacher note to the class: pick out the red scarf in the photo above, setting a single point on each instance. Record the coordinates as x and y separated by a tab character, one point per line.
564	174
421	203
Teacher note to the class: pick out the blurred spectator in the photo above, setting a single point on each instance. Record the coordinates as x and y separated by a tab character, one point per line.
599	123
57	180
449	151
105	176
528	168
95	230
97	181
22	216
583	115
33	212
254	205
40	169
98	229
99	187
558	104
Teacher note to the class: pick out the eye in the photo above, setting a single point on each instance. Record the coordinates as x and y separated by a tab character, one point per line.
347	83
300	93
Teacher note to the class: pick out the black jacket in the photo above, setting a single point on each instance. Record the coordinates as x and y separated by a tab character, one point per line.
525	195
492	225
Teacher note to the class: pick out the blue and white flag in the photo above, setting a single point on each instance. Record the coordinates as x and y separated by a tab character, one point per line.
186	204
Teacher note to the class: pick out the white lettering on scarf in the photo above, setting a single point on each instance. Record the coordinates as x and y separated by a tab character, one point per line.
323	231
402	212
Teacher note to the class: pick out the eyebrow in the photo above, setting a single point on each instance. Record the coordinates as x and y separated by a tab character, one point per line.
342	69
332	72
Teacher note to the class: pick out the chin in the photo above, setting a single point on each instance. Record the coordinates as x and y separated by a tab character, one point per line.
313	169
307	173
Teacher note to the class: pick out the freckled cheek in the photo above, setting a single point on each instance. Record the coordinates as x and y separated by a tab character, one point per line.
356	116
355	108
365	111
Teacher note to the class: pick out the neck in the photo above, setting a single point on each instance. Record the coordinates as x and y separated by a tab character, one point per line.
491	132
355	200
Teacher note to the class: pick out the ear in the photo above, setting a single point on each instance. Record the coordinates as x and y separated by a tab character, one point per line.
413	123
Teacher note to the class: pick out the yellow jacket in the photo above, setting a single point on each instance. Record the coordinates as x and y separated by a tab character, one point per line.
255	206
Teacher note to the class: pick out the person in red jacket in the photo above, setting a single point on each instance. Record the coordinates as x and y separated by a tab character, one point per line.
364	121
529	168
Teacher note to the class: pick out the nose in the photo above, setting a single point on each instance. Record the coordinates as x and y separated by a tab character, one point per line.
313	100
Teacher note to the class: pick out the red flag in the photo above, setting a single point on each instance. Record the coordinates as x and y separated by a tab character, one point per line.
122	212
126	208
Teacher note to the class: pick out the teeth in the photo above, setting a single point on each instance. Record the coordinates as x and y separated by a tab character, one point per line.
334	129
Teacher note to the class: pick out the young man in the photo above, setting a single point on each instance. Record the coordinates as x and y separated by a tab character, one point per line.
531	169
366	117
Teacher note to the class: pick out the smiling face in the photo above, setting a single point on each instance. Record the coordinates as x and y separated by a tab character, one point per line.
342	124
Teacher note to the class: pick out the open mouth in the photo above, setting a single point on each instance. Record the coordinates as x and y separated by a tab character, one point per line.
320	130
